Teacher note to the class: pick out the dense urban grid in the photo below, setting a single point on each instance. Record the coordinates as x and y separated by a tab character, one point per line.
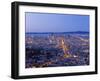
56	49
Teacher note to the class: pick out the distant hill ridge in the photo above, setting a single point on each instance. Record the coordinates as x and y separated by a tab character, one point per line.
75	32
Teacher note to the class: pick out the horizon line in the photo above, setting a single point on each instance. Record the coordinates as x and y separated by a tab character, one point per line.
62	32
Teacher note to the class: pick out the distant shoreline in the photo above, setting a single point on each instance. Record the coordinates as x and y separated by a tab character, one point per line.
78	32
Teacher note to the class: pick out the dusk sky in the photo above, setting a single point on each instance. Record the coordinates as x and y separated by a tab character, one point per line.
44	22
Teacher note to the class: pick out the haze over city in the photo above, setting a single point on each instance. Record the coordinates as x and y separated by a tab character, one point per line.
47	22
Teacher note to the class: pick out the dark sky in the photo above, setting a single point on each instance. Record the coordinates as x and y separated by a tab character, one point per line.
46	22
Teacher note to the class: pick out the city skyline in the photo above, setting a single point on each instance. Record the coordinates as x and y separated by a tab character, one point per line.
47	22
